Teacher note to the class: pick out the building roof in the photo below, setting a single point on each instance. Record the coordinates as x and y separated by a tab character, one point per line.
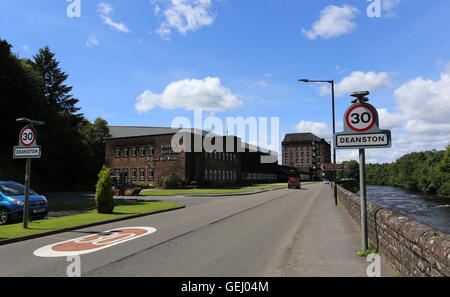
301	137
135	131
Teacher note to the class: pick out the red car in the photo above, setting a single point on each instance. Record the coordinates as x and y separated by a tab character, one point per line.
294	183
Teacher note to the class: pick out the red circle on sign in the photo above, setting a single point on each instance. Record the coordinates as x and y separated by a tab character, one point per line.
374	117
22	135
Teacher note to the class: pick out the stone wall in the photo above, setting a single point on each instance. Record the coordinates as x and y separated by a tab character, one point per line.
413	248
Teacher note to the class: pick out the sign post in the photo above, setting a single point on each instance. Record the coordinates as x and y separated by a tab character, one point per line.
27	149
361	131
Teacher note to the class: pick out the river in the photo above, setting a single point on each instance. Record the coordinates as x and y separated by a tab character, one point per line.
427	209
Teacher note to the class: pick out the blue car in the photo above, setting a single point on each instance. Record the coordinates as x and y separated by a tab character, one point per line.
12	197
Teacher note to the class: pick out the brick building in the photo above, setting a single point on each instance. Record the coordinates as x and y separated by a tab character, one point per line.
143	154
307	152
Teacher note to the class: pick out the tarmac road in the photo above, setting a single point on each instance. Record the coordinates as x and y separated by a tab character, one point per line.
252	235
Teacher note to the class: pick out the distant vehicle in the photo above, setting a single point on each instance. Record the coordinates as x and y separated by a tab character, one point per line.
294	183
326	182
12	196
127	189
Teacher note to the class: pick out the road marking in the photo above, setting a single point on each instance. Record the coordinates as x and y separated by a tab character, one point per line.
93	243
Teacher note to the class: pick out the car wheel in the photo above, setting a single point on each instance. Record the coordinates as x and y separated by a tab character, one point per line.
4	216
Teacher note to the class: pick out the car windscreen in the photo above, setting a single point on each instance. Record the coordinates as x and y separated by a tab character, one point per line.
13	189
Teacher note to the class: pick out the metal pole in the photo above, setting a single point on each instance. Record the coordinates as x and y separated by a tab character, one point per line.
362	191
334	149
26	206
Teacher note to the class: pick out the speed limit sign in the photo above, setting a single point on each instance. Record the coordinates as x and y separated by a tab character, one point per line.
27	148
27	136
361	117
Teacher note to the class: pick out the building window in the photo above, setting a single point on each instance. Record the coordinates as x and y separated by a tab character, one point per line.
142	151
125	174
151	150
133	174
117	153
142	174
117	174
125	153
150	174
206	174
134	152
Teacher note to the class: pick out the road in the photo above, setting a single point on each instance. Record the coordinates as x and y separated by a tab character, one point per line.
276	233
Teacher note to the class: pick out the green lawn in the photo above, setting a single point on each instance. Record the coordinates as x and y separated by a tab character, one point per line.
122	210
211	191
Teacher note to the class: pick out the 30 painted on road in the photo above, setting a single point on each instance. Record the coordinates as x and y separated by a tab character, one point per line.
93	243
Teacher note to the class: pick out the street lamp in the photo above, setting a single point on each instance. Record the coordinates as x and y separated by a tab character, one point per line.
304	80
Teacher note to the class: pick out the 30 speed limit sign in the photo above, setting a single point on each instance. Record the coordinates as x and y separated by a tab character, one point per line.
361	117
27	136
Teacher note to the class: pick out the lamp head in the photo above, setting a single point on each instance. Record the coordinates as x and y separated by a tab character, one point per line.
30	122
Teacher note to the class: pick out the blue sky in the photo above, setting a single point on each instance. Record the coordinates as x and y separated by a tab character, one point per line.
243	58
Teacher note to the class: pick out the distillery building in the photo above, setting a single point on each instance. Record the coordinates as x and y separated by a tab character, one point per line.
306	152
142	154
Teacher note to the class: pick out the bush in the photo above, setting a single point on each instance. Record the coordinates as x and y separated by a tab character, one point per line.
103	194
444	190
173	181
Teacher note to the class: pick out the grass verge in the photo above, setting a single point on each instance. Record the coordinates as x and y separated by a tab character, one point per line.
212	191
120	211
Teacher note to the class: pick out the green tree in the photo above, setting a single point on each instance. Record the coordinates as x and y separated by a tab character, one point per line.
55	91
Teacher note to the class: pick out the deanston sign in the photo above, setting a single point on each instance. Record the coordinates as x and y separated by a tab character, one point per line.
361	129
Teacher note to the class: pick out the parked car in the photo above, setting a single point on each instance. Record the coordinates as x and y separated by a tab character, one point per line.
326	182
12	196
127	189
294	183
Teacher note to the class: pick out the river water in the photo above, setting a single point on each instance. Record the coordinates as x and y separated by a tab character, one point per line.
427	209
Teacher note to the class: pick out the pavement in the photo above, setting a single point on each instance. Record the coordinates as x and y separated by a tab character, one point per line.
275	233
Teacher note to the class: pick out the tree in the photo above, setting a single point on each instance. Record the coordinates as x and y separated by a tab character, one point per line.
94	139
19	97
57	94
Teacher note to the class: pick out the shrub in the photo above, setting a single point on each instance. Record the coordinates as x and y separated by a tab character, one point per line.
444	190
172	181
103	194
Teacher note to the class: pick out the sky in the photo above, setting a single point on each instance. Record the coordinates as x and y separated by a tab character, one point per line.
145	63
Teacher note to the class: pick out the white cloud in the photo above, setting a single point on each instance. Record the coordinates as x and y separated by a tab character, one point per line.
265	82
421	121
360	81
206	94
425	99
388	5
92	41
334	21
185	16
317	128
422	127
104	12
390	121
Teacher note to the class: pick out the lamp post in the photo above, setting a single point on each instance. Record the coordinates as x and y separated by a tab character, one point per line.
334	123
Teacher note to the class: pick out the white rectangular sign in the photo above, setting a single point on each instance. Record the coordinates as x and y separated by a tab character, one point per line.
362	140
21	152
